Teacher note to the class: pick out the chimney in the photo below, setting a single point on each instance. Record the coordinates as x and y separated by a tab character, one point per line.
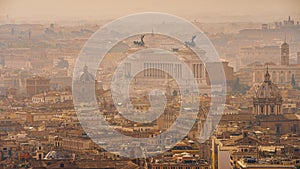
245	133
73	156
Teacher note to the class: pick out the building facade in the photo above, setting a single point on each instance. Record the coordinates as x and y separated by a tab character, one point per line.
36	85
262	54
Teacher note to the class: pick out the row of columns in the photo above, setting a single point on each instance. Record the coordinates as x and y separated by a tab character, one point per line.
264	109
158	70
198	70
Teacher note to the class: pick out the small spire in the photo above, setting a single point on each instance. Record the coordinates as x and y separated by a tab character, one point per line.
267	75
85	68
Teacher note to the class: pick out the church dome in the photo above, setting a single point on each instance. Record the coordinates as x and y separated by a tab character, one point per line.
86	76
58	155
268	89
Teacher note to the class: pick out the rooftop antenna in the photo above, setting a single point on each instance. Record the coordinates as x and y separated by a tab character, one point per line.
284	37
152	33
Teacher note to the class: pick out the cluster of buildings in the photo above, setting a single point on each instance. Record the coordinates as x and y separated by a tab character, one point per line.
266	139
283	73
40	129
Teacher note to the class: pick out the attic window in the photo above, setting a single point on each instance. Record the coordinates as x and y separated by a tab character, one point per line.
62	165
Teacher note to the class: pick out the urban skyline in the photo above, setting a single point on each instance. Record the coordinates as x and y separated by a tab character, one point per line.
214	85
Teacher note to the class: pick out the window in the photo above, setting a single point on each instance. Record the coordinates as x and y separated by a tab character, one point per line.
261	109
62	165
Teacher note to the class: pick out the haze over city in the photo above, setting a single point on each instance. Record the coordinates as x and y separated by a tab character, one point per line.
202	10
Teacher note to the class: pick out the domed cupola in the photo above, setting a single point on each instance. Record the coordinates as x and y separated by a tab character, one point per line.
268	89
86	76
268	99
58	153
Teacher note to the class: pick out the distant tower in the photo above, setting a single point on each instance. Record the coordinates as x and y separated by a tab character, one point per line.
2	61
29	34
285	54
12	32
298	58
152	33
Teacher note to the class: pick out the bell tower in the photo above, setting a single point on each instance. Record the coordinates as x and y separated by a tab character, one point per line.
57	143
39	152
285	54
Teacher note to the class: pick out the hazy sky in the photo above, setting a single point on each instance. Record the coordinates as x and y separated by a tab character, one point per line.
206	10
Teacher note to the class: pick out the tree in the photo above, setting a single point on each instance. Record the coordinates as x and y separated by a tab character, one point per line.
175	93
293	81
